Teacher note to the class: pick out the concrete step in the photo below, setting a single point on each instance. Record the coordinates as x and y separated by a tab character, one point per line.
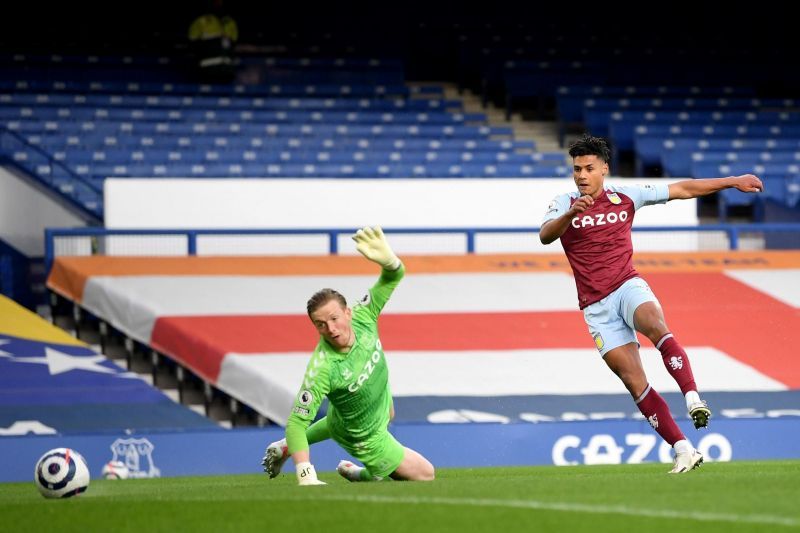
543	133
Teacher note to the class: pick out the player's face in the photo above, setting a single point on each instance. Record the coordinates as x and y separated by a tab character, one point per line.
333	323
589	171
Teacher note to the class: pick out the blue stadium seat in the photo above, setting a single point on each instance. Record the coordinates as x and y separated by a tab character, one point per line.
570	99
731	198
775	188
602	123
679	163
650	148
792	188
623	134
348	89
309	118
701	169
251	103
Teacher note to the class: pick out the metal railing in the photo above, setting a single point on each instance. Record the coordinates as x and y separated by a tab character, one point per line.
57	174
733	233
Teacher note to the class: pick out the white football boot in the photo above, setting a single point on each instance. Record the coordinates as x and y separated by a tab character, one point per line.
700	414
686	461
349	470
276	455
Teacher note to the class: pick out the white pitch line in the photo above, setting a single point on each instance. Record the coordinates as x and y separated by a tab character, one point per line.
559	506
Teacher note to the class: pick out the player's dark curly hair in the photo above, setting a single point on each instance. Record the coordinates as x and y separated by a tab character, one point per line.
322	297
588	145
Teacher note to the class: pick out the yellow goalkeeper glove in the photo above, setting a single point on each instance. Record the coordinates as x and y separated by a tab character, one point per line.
372	244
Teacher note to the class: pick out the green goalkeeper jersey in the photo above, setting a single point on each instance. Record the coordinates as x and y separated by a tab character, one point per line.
356	383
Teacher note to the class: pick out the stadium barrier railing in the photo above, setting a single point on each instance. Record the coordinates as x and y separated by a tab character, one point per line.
320	241
53	175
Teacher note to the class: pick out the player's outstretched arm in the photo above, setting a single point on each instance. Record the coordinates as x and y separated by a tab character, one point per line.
372	244
701	187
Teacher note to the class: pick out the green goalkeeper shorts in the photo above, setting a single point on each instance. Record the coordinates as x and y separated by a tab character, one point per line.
380	453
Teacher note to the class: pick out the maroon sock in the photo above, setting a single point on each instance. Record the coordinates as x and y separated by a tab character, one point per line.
656	411
677	363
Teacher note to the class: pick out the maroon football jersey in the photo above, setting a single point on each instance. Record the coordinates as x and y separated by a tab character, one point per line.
598	241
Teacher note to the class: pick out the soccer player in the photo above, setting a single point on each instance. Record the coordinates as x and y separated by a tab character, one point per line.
349	367
594	225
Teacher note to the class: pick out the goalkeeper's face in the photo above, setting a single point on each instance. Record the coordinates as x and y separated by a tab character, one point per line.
332	321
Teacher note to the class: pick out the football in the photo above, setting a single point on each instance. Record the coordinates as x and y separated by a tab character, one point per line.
61	473
115	470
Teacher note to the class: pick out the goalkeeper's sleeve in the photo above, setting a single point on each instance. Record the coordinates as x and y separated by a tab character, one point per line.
296	439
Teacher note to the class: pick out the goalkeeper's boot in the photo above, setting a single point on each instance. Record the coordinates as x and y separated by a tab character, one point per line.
276	455
686	461
349	470
700	414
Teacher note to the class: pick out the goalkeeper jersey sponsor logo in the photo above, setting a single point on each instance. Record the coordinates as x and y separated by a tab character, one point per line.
369	368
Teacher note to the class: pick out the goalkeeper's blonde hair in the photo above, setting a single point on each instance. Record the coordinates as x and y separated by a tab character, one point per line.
322	297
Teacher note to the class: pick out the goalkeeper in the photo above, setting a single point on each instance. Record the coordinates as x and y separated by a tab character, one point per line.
349	367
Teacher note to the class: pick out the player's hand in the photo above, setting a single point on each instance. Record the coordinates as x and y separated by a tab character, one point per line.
581	204
372	244
306	475
748	183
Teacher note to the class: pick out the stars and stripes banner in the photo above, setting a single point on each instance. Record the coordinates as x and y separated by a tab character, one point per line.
52	383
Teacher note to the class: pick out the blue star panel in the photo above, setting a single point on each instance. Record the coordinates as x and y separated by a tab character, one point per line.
72	388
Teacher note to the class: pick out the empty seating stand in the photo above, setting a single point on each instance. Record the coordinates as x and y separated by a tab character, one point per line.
679	163
303	120
781	183
651	147
572	101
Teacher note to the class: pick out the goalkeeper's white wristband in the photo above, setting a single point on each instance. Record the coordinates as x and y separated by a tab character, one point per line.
393	265
306	475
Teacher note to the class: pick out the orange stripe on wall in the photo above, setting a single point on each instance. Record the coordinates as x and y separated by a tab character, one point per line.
69	274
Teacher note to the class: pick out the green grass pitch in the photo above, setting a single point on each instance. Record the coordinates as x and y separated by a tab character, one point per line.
729	497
